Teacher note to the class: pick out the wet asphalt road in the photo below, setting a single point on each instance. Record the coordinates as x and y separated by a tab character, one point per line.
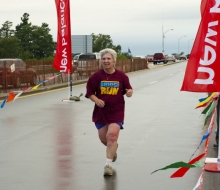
47	144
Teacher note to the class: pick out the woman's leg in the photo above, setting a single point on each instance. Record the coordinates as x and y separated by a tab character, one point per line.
102	134
112	137
108	135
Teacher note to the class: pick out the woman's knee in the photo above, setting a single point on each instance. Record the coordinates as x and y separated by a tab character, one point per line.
112	137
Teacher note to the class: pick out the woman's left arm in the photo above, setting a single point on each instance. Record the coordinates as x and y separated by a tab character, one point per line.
129	92
128	88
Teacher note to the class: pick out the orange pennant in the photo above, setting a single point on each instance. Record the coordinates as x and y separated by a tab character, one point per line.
11	97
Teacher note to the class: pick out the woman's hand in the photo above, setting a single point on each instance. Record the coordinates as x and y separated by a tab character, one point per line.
129	92
100	103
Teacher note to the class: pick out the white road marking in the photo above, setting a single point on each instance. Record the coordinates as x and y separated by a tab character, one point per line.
170	75
153	82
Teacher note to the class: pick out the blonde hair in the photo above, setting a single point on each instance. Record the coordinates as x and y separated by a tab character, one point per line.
111	52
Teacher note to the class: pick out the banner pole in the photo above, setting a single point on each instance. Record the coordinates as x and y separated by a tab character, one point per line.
71	82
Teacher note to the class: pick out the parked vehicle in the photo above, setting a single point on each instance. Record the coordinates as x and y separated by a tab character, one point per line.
81	64
171	58
15	72
159	57
176	55
188	55
86	56
75	59
150	58
182	57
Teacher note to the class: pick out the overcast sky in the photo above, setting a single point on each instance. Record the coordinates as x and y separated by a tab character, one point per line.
136	24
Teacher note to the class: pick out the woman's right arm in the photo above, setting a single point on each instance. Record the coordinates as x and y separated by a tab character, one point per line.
100	103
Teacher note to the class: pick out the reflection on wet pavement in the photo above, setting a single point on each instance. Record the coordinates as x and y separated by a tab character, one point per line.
64	157
110	182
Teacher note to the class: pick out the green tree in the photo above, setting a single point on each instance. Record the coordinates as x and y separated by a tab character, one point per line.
102	41
26	55
24	20
36	42
126	54
117	48
9	47
24	33
6	31
120	56
42	42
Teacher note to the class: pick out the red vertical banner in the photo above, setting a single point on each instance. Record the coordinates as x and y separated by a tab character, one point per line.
203	68
202	6
63	57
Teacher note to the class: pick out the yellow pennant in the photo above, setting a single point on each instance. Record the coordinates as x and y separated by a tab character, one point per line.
35	87
206	100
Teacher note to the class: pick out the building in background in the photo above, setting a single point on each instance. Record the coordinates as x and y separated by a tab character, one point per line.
81	44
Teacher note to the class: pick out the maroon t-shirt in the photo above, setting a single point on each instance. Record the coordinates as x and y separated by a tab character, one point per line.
110	89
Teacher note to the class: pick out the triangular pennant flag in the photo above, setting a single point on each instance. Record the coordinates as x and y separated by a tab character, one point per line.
11	97
35	87
181	172
176	165
17	95
3	103
206	100
26	89
50	78
200	163
205	136
202	99
203	105
213	105
207	108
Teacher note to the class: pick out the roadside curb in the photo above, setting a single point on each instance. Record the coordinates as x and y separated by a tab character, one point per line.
48	88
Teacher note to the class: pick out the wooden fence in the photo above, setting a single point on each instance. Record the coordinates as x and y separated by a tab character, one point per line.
81	70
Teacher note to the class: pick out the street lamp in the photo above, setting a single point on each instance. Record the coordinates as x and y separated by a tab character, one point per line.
163	36
188	44
179	43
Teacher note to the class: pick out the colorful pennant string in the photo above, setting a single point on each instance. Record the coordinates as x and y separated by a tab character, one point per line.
208	99
176	165
4	101
12	96
198	182
181	172
206	135
210	108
